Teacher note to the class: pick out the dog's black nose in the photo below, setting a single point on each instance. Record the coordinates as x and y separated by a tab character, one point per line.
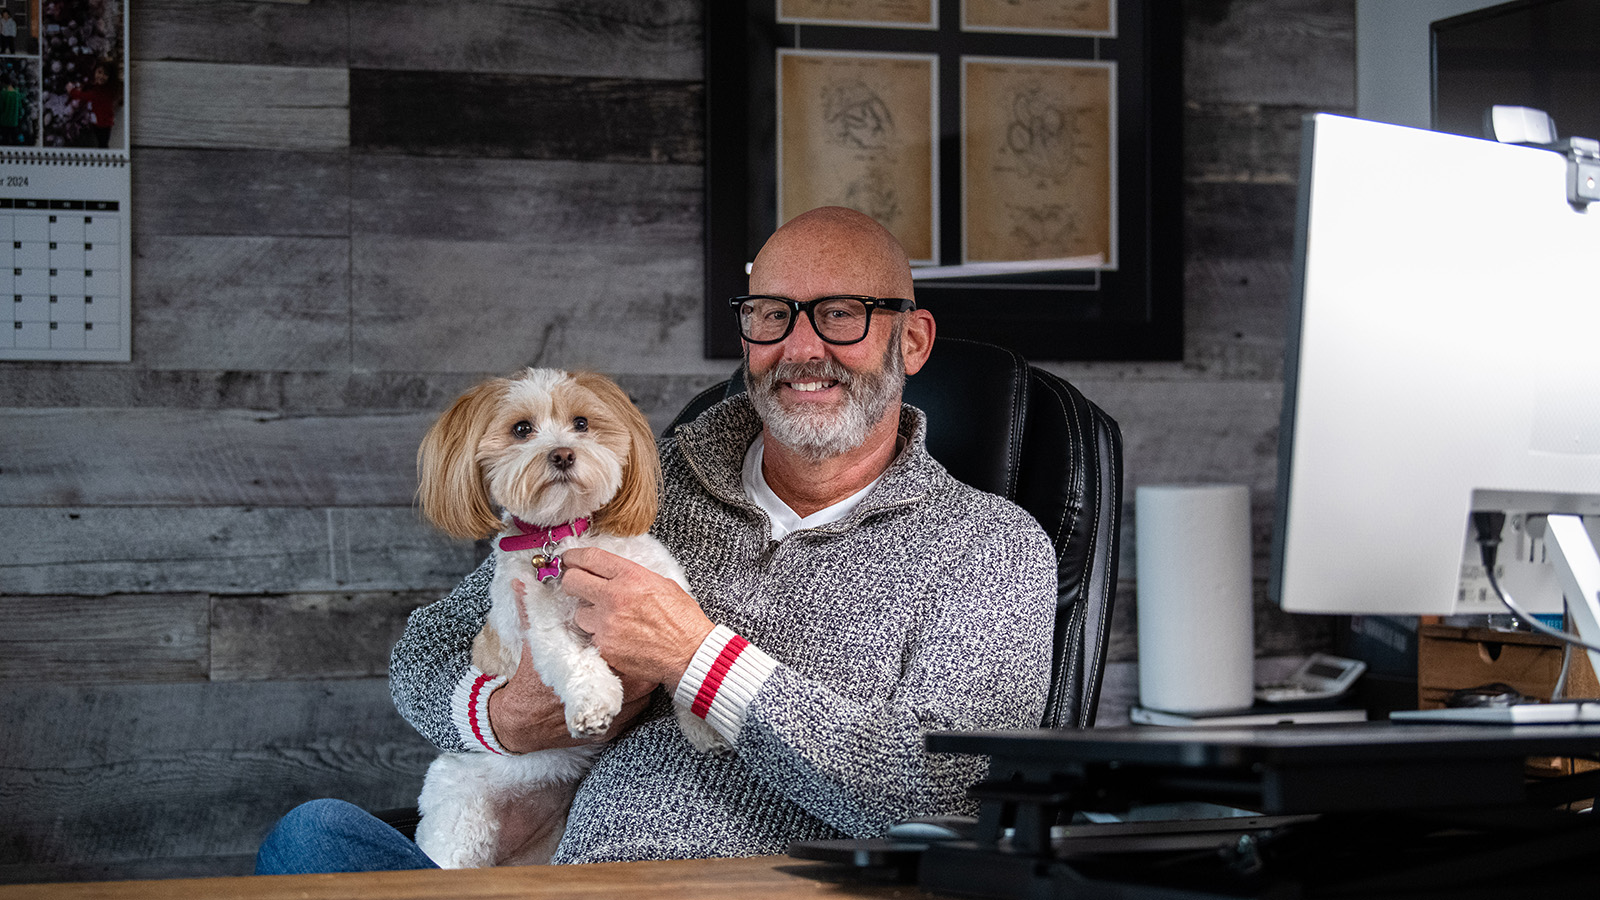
562	458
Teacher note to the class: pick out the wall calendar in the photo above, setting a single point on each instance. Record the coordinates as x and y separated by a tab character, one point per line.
65	249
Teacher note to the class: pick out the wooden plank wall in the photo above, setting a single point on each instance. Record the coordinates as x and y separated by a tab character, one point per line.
346	211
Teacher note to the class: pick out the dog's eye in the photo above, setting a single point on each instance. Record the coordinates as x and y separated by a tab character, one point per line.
580	423
522	430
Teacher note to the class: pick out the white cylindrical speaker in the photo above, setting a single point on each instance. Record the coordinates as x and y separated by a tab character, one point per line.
1196	627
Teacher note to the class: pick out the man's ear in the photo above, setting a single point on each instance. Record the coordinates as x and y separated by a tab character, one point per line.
916	339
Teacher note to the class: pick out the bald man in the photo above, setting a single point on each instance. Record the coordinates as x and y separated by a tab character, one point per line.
848	597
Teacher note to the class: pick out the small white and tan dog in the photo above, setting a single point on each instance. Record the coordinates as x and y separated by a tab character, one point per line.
552	461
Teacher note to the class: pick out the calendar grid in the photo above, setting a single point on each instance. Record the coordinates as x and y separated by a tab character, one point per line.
59	262
64	264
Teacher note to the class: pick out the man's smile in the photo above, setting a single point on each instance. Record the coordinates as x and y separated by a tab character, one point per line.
810	386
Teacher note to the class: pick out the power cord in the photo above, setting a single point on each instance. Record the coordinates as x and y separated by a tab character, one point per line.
1488	526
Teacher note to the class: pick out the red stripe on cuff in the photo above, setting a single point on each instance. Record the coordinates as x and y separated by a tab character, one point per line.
713	681
472	711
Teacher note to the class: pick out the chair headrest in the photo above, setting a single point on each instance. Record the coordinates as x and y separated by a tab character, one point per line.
976	398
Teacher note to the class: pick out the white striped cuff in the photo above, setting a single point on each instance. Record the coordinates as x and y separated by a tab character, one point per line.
722	680
469	710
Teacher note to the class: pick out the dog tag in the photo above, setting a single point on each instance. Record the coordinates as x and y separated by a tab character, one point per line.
551	570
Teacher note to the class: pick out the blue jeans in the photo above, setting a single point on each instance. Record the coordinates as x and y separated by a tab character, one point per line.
335	836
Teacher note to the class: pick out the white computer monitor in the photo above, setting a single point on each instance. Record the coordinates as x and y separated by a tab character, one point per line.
1443	357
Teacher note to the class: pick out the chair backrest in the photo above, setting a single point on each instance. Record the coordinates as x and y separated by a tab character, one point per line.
1012	429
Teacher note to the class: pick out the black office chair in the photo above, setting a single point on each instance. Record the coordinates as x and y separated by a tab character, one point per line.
1009	428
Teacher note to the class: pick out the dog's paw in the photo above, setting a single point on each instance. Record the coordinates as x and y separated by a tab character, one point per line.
588	720
590	713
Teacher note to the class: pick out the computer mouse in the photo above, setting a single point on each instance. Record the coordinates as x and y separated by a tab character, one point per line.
931	828
1497	695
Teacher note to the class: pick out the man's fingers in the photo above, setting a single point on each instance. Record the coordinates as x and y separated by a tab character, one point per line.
594	561
577	580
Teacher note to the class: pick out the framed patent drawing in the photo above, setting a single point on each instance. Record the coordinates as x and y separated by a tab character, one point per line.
861	130
1025	152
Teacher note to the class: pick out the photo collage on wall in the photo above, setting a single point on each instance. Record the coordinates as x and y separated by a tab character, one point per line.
62	74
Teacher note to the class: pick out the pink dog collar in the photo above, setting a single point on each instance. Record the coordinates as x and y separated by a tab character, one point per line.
532	536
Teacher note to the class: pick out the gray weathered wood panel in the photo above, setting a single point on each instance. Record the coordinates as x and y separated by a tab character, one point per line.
447	306
1253	144
590	38
218	865
308	635
117	638
153	457
243	31
641	209
250	303
1223	431
611	38
1237	330
112	387
165	638
238	192
94	551
36	385
485	265
1234	220
119	774
182	104
499	115
1278	52
499	264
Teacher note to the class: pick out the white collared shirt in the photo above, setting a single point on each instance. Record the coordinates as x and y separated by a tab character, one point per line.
784	519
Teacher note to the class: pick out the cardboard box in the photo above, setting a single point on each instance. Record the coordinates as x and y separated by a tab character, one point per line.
1451	658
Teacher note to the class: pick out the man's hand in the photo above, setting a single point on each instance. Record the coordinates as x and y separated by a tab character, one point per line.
526	715
643	623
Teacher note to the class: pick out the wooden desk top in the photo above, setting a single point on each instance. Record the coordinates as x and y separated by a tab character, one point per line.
757	878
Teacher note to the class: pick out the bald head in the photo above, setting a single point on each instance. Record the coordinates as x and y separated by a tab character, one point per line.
831	250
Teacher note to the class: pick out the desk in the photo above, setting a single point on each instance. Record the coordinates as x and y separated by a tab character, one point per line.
758	878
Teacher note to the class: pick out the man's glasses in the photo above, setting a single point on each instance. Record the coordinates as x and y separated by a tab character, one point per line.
838	319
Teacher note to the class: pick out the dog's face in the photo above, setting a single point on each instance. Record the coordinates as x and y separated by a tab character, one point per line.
546	446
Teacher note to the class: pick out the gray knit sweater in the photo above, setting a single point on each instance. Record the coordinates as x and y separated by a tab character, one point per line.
928	608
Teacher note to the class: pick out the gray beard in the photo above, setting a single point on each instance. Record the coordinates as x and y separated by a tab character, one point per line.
819	434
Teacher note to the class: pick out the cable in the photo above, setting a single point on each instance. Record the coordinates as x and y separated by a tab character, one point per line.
1488	526
1525	618
1557	692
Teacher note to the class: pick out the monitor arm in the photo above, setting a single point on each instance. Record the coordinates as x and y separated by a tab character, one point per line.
1578	567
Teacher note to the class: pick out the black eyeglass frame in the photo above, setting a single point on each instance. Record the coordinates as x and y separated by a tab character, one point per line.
893	304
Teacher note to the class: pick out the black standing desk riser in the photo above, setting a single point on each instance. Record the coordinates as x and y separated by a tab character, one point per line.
1365	810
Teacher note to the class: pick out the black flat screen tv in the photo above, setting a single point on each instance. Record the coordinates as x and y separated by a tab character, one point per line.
1539	53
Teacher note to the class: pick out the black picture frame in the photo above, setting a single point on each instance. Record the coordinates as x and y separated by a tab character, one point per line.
1134	312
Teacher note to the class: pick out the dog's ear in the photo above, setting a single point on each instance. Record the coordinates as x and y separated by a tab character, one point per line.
450	485
633	510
